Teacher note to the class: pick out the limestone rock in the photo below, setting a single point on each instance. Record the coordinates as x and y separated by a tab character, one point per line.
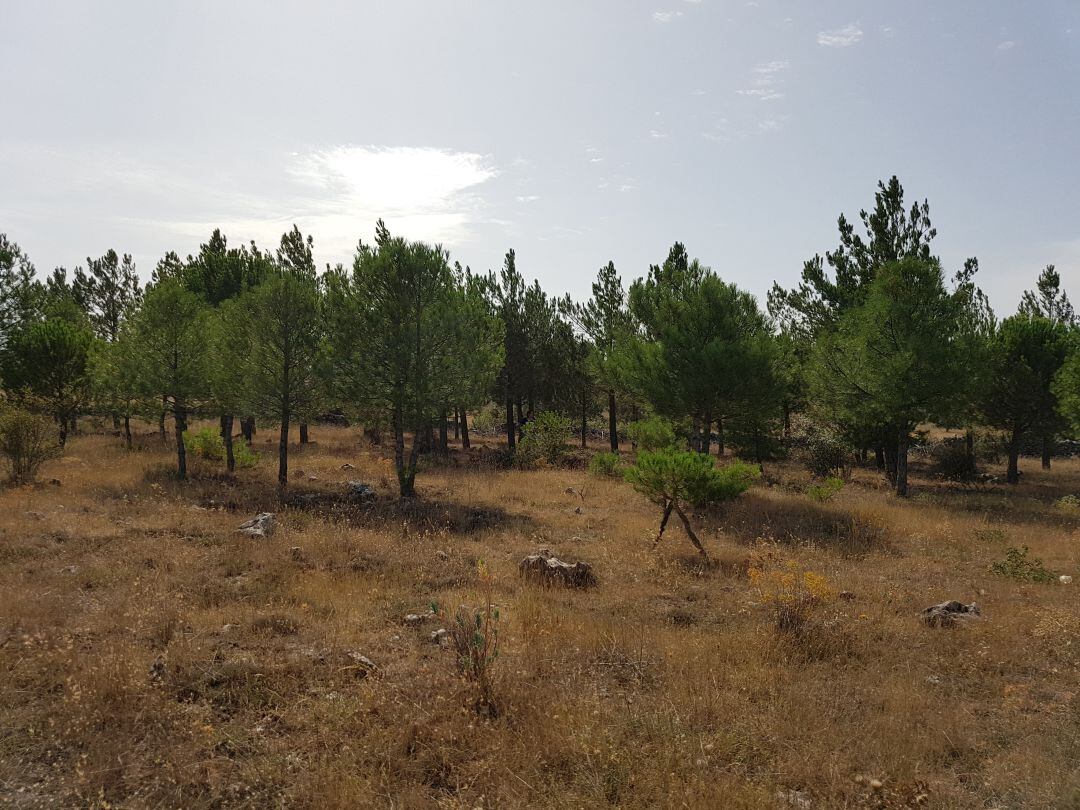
262	525
947	614
544	566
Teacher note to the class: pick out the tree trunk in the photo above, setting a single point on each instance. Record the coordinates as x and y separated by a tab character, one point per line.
247	428
901	462
303	433
584	418
127	430
695	434
230	458
890	463
511	432
706	435
464	429
690	532
613	425
1047	451
115	421
969	449
161	422
663	521
221	426
787	420
457	424
1012	475
720	437
63	431
879	457
283	450
520	421
444	438
180	423
399	453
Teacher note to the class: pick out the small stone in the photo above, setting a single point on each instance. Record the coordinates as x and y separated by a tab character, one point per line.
69	569
262	525
54	482
347	466
847	596
876	784
359	491
227	628
313	478
546	567
361	665
933	680
440	636
442	555
296	554
947	614
1065	579
413	619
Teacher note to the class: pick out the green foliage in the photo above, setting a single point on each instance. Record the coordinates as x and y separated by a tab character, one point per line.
825	452
651	434
1069	503
27	440
474	635
605	465
676	476
826	490
1017	565
209	445
543	439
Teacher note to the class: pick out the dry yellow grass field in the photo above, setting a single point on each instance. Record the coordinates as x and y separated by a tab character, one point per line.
152	657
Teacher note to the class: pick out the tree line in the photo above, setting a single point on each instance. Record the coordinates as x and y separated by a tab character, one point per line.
875	339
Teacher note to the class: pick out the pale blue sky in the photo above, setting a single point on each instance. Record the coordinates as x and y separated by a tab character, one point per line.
575	132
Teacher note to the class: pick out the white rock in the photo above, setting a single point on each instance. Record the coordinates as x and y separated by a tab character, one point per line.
1065	579
262	525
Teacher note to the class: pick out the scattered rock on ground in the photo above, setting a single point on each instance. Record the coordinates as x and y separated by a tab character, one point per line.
416	619
296	554
262	525
442	555
847	596
359	491
347	466
546	567
361	665
949	613
1065	579
54	482
440	636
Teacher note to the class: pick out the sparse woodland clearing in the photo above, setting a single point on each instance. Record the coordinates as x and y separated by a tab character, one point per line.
152	657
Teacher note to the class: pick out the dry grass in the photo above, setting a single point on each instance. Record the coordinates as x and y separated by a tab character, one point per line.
151	657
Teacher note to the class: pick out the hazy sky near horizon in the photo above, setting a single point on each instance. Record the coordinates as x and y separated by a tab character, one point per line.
573	131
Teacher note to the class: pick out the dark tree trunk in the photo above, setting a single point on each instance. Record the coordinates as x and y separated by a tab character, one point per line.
695	434
180	423
690	532
879	457
1047	451
901	462
406	472
74	424
161	422
520	420
115	421
303	433
127	431
969	449
584	418
663	521
705	444
787	420
283	450
890	463
1012	474
457	424
613	425
247	428
511	432
230	458
720	447
444	438
464	429
222	427
63	431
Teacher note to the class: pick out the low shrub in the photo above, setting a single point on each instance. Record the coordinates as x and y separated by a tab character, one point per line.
792	594
207	444
1070	503
825	490
951	460
543	439
654	433
1017	565
826	454
605	465
474	636
27	440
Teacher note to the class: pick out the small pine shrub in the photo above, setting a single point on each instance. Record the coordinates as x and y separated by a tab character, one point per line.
652	434
1017	565
826	454
474	635
605	465
1070	503
543	439
792	594
207	444
27	440
950	459
825	491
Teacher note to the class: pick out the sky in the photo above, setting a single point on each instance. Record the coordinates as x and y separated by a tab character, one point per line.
574	131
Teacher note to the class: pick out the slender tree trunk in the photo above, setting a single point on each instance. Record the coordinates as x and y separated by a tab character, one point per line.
584	417
520	420
404	489
690	532
663	521
969	450
613	425
221	426
180	424
890	463
115	421
720	437
74	424
901	462
706	434
787	420
247	428
1047	451
695	434
1012	474
444	438
457	424
127	430
230	458
303	433
879	457
283	450
63	431
511	432
161	424
465	428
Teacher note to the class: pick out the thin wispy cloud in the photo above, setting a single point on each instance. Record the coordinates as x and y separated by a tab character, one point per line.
844	37
1007	45
766	78
665	16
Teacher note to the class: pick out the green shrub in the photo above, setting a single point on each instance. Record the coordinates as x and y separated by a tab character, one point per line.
825	490
950	459
1070	503
605	465
826	454
27	440
208	444
654	433
543	439
1017	565
670	478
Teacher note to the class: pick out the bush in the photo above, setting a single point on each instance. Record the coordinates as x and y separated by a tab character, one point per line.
208	444
950	459
543	439
27	440
654	433
1070	503
826	454
669	478
474	635
825	491
605	465
791	593
1017	565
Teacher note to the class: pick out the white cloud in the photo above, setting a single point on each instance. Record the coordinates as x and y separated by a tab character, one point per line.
766	78
665	16
657	134
527	198
841	37
1007	45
